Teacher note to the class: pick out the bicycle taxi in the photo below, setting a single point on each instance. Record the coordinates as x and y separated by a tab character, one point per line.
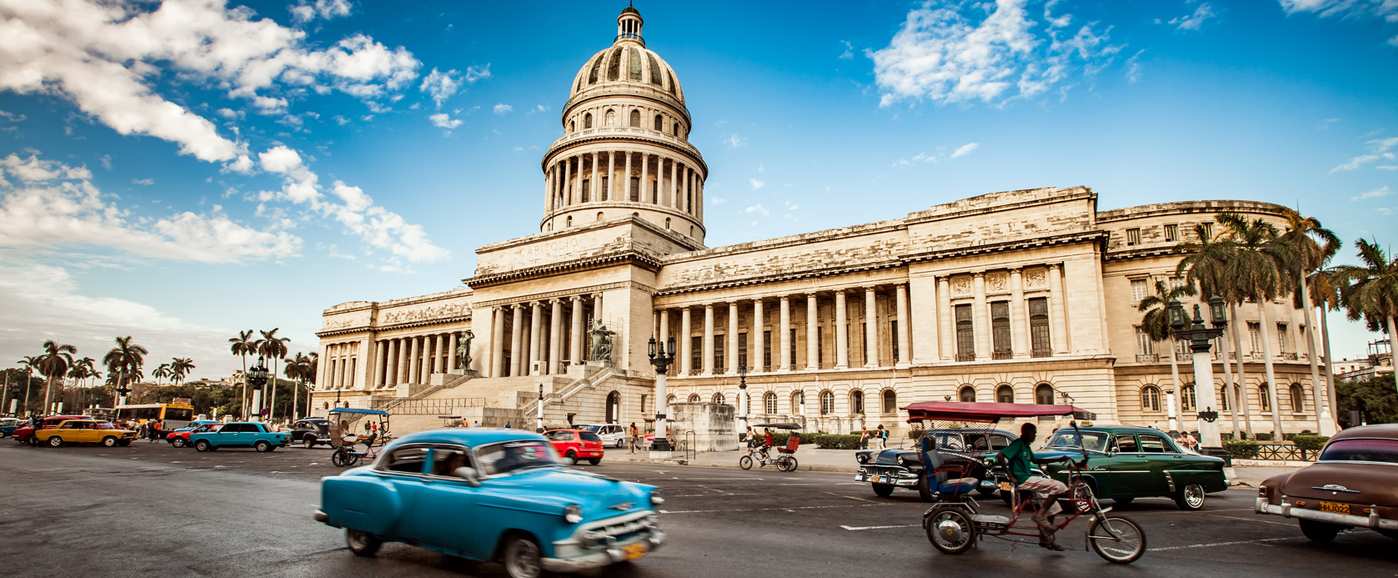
343	424
785	457
955	521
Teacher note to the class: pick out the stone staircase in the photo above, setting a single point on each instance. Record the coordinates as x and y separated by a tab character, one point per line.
448	381
591	379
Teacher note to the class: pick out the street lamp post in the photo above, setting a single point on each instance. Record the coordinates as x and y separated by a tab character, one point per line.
1200	339
257	378
743	396
541	409
661	360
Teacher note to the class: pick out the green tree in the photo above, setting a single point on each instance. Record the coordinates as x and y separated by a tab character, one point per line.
180	367
1206	265
54	364
274	349
241	346
1374	399
1312	247
1156	324
162	371
1370	291
30	364
124	362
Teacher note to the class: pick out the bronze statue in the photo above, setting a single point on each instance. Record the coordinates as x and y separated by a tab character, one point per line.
463	349
601	341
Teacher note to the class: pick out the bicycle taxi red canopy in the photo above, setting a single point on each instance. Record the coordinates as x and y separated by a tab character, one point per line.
982	412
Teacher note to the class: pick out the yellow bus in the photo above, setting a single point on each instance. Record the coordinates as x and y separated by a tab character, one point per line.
174	415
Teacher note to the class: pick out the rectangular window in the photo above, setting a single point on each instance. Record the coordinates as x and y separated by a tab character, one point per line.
743	351
1283	339
635	189
767	350
1171	232
893	334
586	190
696	354
1133	237
1255	333
1039	327
1138	290
965	334
820	347
719	342
793	347
1208	230
1000	330
1176	282
1144	344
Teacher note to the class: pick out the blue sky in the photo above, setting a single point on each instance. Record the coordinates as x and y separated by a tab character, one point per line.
182	171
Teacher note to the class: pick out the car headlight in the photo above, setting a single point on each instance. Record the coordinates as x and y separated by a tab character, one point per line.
573	513
655	498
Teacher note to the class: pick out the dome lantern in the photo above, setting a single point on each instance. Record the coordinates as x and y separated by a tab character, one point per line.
628	26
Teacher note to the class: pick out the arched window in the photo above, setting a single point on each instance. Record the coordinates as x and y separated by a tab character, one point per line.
798	400
691	230
610	119
1187	398
677	129
573	126
636	118
856	402
667	223
769	403
694	398
1043	394
587	120
570	222
1150	398
1005	394
966	394
1264	397
670	400
890	402
718	398
599	215
827	402
659	123
1298	398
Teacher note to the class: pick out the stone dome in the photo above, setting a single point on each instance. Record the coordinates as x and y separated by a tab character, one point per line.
627	65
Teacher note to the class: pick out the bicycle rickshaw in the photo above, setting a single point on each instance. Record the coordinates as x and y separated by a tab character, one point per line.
955	522
785	460
342	425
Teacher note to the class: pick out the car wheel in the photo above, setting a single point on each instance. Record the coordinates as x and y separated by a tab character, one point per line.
570	458
362	543
621	443
522	558
924	491
55	442
178	442
202	445
1191	497
1319	531
109	441
883	490
594	461
262	446
309	441
124	443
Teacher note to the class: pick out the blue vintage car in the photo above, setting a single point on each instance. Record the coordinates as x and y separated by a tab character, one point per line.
491	494
240	434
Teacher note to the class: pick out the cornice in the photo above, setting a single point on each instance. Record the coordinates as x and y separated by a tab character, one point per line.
634	258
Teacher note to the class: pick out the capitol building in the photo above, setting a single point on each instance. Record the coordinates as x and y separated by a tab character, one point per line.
1026	296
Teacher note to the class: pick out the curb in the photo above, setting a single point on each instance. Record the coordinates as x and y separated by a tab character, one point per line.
803	468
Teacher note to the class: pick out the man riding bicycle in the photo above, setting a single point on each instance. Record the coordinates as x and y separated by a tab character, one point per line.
1018	458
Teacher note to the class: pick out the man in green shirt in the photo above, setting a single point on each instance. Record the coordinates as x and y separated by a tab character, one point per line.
1019	461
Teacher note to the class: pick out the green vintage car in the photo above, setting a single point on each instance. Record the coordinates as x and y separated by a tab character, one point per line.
1125	463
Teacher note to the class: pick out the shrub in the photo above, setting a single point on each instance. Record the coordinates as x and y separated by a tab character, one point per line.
1263	437
837	442
1241	449
1309	442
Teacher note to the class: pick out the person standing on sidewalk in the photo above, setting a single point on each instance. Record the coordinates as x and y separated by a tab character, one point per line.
632	434
883	438
863	437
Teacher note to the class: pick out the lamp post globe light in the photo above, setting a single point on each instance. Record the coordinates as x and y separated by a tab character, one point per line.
661	359
257	378
1200	338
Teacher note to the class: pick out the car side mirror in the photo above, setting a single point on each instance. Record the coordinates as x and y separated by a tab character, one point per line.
468	474
1113	451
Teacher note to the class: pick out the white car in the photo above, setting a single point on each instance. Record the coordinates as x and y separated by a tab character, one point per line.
613	435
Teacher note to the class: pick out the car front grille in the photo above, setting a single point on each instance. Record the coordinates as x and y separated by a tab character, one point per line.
619	530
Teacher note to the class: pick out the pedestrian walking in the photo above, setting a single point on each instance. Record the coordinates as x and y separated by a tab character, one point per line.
863	437
883	438
1190	443
632	435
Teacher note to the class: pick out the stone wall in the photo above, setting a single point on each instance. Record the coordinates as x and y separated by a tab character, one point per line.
712	424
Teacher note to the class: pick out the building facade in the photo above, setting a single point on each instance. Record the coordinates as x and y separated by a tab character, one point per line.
1025	296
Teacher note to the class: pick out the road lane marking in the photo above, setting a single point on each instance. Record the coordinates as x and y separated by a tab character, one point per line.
861	528
777	509
1211	545
1260	521
850	497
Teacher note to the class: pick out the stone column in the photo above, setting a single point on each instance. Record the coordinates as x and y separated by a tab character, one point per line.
627	180
812	333
784	334
394	348
452	358
611	174
757	345
685	345
380	362
685	205
404	362
592	188
980	316
871	328
536	320
645	177
664	334
944	312
414	349
674	183
1019	314
1058	324
905	325
568	181
517	341
708	339
556	337
497	343
437	361
576	343
841	331
732	353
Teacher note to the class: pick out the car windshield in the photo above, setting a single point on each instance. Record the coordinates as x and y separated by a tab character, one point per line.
592	428
507	457
588	436
1385	451
1068	439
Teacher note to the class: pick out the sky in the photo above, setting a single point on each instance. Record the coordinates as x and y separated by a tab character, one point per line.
180	171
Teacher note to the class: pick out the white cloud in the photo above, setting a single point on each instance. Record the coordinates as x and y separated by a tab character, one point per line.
305	11
757	209
1379	149
735	141
756	184
1386	9
1133	67
1374	194
442	85
1393	41
1196	20
146	181
848	54
718	200
947	57
502	108
444	120
965	149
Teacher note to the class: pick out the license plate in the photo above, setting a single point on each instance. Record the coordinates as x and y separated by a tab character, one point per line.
875	479
635	551
1334	507
1006	487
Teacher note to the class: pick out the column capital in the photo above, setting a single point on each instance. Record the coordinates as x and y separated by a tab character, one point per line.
708	306
785	299
1053	266
576	298
815	294
733	302
1015	269
978	274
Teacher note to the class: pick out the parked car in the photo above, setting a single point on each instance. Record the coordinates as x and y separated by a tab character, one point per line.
180	437
240	434
311	431
890	469
612	434
492	494
1354	484
85	431
25	433
8	425
1125	463
576	444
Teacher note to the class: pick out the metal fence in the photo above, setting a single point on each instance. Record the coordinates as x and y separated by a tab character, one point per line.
1285	452
433	406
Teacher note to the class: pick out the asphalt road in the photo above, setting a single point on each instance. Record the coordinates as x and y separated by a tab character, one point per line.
152	510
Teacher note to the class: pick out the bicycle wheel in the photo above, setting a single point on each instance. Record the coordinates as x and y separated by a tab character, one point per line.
1117	539
745	462
788	464
338	458
951	531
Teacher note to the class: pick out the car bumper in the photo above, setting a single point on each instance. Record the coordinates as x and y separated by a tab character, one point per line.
611	555
902	479
1372	521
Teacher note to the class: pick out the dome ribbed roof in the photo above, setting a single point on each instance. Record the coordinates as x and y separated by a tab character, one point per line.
625	65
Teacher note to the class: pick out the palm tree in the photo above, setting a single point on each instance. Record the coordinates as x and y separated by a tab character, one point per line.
1313	246
1206	265
1325	294
180	367
124	362
1156	324
1370	292
298	370
54	363
242	345
273	348
162	371
80	372
30	363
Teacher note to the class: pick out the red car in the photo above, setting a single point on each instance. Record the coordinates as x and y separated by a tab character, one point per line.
576	445
25	435
180	438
